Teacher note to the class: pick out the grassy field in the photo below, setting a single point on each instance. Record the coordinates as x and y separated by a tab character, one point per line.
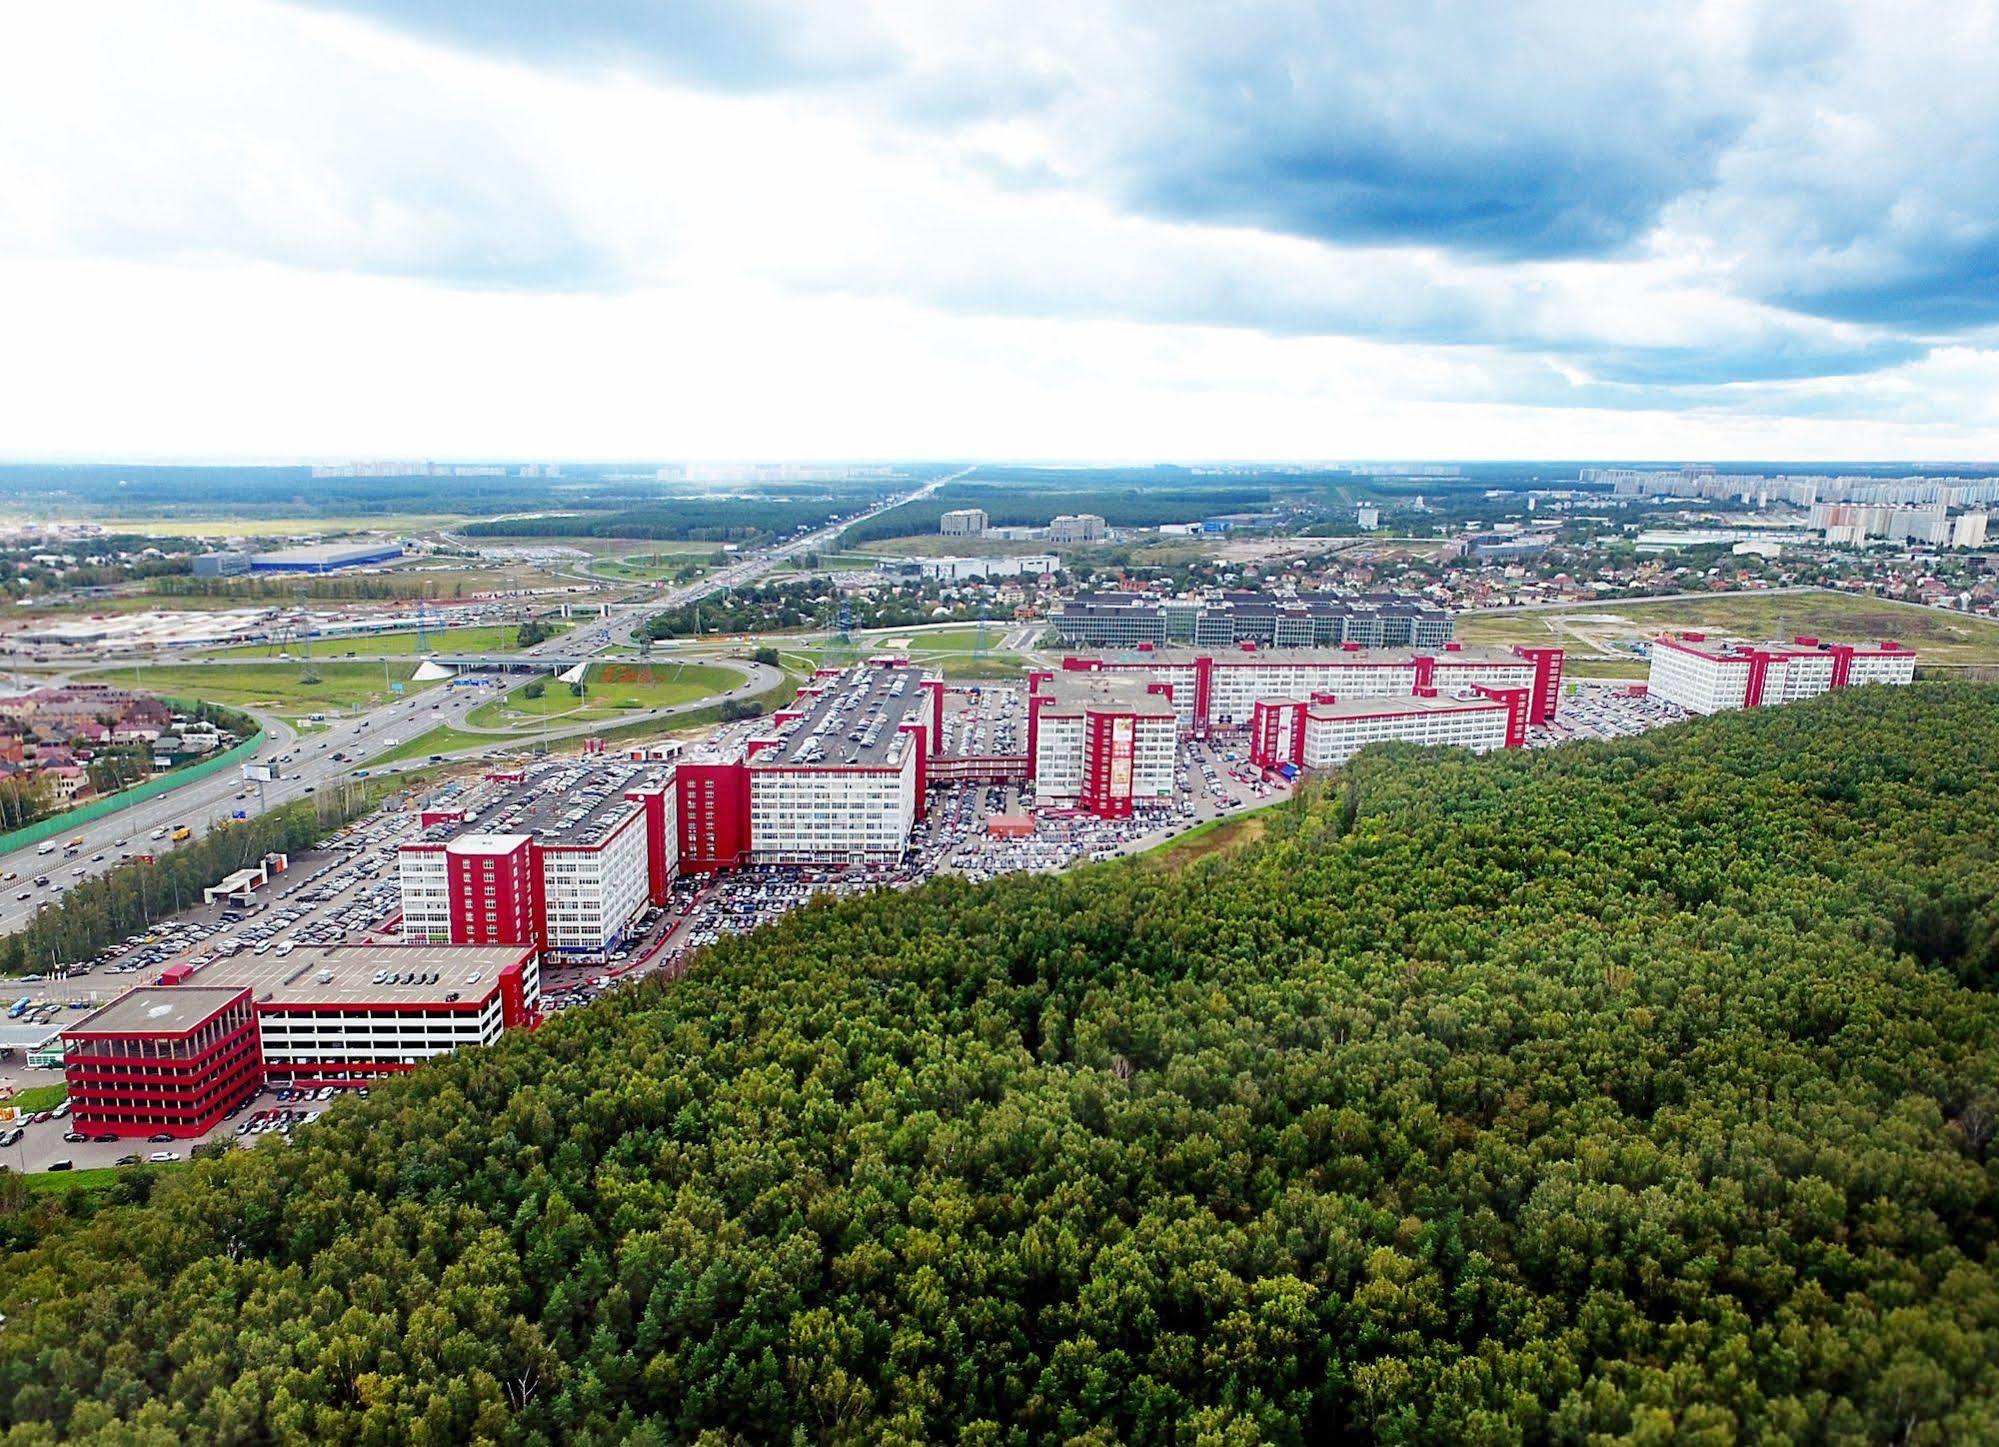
611	691
39	1097
438	640
662	562
278	688
444	739
96	1178
1217	836
949	651
1938	637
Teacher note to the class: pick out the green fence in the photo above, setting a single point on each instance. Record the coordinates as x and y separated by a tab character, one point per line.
96	809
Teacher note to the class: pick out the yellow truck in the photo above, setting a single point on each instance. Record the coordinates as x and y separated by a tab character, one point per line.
183	832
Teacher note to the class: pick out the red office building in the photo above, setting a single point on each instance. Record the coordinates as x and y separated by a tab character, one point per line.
172	1059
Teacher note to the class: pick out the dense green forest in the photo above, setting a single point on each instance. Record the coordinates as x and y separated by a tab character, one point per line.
695	519
1619	1093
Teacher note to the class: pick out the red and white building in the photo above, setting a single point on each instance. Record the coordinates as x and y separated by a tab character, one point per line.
1219	690
173	1060
1705	673
838	778
563	858
1100	742
1323	732
181	1052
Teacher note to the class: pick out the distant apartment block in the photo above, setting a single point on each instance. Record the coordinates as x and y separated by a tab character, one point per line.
1079	527
964	522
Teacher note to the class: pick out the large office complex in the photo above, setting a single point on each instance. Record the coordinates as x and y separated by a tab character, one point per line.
562	859
1704	673
1270	620
838	779
178	1053
1215	690
963	522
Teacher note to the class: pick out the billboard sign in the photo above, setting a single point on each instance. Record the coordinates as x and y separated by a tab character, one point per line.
1123	731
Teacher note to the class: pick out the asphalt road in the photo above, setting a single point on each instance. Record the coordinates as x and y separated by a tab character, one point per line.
205	802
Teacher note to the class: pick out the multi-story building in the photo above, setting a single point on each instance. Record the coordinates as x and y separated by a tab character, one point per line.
1217	690
1270	620
172	1060
1078	527
564	859
1100	742
178	1053
838	779
1968	530
1707	674
1322	732
963	522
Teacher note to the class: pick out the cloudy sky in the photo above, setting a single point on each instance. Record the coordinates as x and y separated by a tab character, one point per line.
999	228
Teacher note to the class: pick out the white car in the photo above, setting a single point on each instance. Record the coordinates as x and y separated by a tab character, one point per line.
162	1157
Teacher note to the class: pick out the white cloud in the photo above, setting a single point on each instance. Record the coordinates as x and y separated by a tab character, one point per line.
279	231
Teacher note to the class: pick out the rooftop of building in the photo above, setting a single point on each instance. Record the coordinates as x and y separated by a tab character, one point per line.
1377	707
1292	657
1075	690
1726	646
329	552
157	1010
573	803
851	720
1245	601
345	974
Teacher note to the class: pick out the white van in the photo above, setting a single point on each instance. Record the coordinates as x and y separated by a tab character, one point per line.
47	848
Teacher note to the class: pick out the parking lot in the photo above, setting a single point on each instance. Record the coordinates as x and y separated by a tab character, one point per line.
1593	709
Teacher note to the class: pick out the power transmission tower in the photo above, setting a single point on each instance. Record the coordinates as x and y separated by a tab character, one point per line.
981	647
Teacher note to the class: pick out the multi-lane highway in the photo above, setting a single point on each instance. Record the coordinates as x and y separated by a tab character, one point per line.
305	761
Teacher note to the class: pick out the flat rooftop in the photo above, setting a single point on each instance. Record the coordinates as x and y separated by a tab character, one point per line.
575	803
1374	707
1291	657
1727	645
328	552
345	974
157	1010
1076	689
852	720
